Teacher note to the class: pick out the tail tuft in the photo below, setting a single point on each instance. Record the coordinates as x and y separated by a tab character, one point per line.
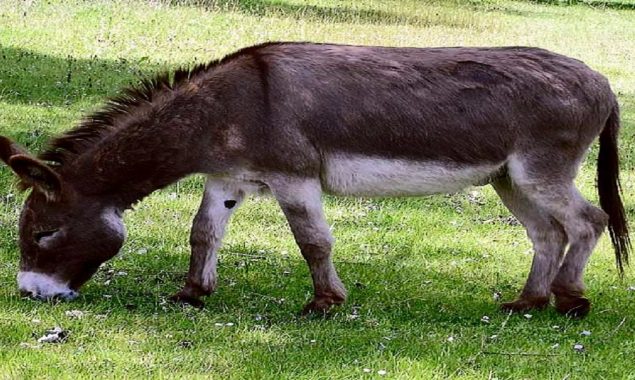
609	189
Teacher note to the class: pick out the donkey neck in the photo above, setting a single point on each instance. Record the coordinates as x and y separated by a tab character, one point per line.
157	145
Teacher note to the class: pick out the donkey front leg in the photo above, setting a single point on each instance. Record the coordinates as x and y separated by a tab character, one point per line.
300	200
220	200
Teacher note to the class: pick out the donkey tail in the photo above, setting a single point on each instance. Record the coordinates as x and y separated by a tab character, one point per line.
609	189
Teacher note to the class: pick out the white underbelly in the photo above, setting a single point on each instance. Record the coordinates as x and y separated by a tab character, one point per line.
369	176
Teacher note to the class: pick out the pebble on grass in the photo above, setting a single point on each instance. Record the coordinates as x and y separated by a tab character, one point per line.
54	335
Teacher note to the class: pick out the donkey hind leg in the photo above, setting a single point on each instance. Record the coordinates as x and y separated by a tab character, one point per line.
300	200
220	200
548	239
583	224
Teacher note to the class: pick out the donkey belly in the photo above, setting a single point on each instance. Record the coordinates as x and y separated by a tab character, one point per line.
376	176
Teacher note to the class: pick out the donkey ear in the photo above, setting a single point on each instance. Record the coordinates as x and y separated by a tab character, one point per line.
36	173
9	149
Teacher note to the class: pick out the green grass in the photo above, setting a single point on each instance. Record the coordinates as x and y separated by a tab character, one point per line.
418	270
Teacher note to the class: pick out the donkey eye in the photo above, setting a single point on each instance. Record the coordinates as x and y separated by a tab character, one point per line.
43	234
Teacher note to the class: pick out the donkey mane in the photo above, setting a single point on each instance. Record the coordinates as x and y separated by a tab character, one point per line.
98	125
101	123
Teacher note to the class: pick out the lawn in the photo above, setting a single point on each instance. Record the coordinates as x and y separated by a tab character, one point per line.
422	273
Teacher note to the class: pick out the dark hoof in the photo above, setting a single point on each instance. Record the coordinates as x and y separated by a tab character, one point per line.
186	299
321	305
573	307
525	304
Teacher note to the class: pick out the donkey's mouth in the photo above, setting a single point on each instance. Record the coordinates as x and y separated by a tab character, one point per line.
44	287
65	296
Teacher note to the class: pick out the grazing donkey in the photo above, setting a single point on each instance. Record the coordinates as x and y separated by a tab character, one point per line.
300	119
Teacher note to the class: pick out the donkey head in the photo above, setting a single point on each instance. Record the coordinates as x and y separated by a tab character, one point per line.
64	234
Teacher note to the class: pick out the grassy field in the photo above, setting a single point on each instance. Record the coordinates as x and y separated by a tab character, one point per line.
421	273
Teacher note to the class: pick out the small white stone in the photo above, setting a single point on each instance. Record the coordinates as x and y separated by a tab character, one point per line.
578	347
55	335
585	333
382	372
366	370
528	316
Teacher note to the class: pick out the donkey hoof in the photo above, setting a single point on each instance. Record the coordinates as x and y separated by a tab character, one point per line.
573	307
525	304
321	305
186	299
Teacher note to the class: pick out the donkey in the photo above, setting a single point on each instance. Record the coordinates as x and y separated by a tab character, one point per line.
302	119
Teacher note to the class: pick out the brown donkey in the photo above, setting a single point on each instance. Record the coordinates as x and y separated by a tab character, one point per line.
300	119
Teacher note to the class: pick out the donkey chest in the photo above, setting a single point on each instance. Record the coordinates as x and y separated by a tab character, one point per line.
373	176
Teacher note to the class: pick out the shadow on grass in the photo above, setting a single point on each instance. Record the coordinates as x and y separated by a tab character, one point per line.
337	13
44	80
620	5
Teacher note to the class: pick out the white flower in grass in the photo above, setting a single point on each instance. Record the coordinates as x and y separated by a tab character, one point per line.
77	314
